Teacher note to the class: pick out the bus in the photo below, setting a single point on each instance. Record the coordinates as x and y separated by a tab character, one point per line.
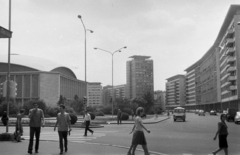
179	113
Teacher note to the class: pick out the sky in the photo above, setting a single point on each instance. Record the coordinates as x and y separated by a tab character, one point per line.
174	33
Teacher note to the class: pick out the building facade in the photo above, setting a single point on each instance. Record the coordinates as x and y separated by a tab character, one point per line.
139	77
119	92
41	82
160	98
213	81
175	92
94	97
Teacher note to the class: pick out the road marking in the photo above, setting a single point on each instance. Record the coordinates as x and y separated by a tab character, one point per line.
74	137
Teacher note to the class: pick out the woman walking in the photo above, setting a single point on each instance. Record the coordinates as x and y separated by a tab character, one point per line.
222	134
138	135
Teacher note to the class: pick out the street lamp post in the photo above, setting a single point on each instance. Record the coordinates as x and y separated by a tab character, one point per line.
85	48
112	53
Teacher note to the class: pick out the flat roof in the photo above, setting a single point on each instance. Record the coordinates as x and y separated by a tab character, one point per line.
139	56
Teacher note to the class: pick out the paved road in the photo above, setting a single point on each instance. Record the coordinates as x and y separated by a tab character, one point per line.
195	136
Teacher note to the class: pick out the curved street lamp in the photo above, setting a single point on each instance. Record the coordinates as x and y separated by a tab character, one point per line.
85	36
112	53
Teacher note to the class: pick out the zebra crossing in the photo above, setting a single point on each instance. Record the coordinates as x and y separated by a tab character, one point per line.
75	136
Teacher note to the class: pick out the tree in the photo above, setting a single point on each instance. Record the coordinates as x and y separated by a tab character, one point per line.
61	100
148	97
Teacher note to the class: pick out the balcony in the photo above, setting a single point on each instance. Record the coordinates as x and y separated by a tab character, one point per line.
231	60
233	87
232	78
230	51
231	69
229	42
230	32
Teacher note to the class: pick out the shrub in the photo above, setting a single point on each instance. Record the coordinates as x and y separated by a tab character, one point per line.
52	111
128	111
99	113
29	105
107	110
73	118
13	109
47	116
125	116
92	115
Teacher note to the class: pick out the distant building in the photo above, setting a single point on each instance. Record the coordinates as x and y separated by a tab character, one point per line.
175	91
159	98
40	79
119	92
94	97
139	76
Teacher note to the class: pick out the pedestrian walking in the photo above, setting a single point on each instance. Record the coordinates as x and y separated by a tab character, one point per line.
64	126
138	134
36	121
222	134
19	129
119	117
87	121
4	118
132	112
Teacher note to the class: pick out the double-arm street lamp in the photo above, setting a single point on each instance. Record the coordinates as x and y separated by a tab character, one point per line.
85	32
112	53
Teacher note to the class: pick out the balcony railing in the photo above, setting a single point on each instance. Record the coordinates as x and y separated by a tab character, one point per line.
230	50
230	41
231	69
233	87
231	59
232	78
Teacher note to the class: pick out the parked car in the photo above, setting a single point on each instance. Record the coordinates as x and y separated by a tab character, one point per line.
201	113
237	117
196	111
231	114
213	112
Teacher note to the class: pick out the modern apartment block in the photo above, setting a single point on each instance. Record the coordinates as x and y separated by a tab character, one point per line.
139	76
94	97
175	91
119	92
213	82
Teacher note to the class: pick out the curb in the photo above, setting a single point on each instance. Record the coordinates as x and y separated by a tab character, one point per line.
153	122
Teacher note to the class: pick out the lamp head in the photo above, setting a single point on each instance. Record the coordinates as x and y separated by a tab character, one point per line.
125	47
79	16
91	31
119	51
95	48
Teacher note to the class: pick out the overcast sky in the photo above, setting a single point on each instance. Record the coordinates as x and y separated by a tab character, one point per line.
174	33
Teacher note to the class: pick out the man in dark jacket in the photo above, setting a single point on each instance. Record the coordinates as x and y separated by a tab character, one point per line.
119	117
5	118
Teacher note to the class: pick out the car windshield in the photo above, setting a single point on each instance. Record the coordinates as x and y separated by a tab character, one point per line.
179	110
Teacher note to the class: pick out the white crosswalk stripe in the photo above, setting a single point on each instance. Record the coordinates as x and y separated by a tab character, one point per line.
74	137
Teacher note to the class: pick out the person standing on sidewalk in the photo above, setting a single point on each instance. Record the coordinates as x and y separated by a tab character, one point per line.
222	134
119	117
138	135
63	123
4	118
19	129
87	121
36	117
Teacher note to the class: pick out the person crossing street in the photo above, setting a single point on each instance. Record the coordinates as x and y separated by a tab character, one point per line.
87	121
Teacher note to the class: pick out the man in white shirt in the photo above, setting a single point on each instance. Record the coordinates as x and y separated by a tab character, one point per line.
87	120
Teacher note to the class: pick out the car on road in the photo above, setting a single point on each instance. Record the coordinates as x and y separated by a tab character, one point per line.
201	113
179	113
213	112
237	117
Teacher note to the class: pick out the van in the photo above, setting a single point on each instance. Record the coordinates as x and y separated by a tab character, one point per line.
231	114
179	113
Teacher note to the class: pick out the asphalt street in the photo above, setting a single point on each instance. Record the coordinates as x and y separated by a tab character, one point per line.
195	136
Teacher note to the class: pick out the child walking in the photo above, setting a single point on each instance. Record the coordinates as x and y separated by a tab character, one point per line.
19	129
138	135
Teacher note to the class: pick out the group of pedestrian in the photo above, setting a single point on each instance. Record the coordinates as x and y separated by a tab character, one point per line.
63	122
